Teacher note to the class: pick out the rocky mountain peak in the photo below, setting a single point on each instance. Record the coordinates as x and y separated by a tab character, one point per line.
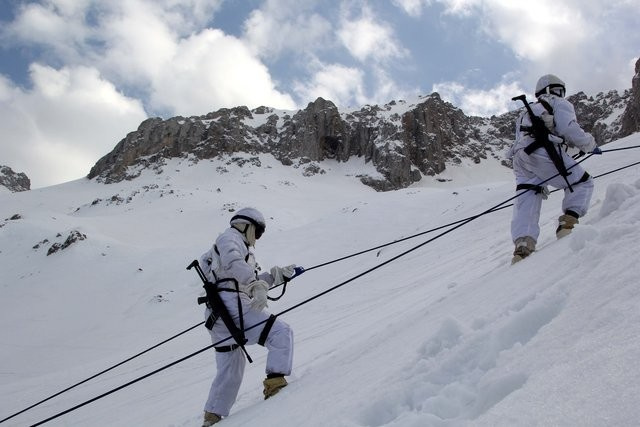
14	181
402	140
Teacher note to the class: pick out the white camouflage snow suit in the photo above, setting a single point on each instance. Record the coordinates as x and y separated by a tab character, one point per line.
537	167
237	261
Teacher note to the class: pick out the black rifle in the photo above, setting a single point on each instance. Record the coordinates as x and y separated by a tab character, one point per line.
541	133
220	309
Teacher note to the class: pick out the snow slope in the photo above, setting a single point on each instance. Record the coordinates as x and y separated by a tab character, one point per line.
449	334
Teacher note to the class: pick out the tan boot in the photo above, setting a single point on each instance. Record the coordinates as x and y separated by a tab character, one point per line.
565	225
273	386
525	246
210	419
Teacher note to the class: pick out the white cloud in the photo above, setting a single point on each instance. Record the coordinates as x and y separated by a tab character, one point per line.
157	49
183	16
366	37
211	70
138	43
412	7
476	102
57	130
534	32
56	25
387	89
588	44
335	82
291	25
296	27
465	7
347	86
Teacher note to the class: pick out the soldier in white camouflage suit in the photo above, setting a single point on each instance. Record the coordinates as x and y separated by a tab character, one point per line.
534	168
232	257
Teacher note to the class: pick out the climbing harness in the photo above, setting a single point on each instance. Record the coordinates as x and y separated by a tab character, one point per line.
538	189
219	309
541	189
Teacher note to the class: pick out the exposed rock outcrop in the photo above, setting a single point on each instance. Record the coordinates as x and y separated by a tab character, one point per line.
631	117
73	237
14	181
402	141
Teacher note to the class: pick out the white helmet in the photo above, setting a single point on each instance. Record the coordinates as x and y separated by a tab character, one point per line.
550	84
250	216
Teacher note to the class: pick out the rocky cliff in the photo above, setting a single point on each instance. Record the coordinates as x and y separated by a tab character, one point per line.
14	181
631	117
403	140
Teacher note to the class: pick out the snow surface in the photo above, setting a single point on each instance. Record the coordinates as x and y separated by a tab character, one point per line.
449	334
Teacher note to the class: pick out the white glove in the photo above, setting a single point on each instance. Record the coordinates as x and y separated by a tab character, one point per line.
548	121
281	274
591	145
258	291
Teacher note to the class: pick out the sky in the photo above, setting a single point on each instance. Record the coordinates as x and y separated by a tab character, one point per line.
77	75
449	334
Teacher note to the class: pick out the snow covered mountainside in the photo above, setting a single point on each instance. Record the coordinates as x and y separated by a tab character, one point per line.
449	334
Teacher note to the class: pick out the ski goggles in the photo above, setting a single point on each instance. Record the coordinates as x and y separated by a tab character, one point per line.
260	228
556	89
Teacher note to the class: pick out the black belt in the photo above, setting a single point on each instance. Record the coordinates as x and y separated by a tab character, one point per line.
536	188
540	189
227	348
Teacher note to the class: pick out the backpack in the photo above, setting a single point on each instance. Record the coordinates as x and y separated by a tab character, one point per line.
210	264
538	129
541	134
